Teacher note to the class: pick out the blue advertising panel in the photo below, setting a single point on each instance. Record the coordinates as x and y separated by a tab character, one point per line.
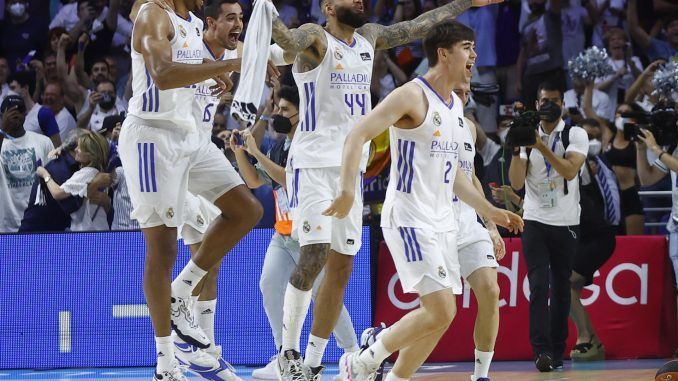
76	300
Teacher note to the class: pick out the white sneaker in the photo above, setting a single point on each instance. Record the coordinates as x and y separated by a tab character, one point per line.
174	374
184	325
192	357
267	372
352	369
290	366
222	371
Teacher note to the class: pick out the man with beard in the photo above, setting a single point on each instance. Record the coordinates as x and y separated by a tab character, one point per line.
164	158
332	68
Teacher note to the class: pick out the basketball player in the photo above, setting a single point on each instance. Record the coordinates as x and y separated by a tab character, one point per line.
160	146
479	250
418	218
333	69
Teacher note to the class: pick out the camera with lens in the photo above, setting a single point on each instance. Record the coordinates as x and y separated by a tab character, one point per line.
661	122
522	129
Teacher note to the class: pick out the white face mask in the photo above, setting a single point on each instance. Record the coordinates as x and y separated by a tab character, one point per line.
619	123
595	146
502	135
17	9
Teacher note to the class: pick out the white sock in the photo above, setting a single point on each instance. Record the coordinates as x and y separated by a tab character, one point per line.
295	308
315	349
204	311
392	377
375	354
482	364
189	277
164	350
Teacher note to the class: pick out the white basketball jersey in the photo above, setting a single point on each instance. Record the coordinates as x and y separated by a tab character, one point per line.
205	104
467	153
174	106
424	163
333	97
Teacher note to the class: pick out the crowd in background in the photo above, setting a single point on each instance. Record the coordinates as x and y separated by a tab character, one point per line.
65	69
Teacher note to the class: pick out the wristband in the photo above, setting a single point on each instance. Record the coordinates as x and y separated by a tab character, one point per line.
660	155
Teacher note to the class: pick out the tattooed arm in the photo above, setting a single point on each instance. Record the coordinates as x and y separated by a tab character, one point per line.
300	39
386	37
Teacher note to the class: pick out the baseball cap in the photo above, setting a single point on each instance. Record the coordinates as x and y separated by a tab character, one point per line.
12	101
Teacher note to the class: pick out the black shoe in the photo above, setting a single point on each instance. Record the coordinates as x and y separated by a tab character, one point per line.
544	362
557	364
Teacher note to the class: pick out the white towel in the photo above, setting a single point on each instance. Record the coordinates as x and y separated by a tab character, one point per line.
254	62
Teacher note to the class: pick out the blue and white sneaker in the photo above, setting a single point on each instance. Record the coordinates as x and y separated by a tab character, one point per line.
192	356
184	325
223	371
369	337
174	374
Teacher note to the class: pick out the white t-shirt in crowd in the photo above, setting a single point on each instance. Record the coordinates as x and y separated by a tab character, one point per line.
566	210
624	82
18	159
64	120
67	17
90	217
574	38
601	103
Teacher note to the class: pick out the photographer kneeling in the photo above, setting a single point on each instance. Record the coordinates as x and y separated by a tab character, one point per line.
549	169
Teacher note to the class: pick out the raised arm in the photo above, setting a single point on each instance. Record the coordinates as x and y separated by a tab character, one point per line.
152	36
639	35
299	39
386	37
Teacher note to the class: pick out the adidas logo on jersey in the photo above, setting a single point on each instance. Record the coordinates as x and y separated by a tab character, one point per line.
339	67
437	133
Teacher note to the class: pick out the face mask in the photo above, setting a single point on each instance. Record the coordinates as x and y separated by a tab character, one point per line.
17	9
595	146
107	101
553	109
281	124
502	135
619	123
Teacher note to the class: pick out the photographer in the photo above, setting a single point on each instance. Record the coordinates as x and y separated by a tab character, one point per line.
549	169
102	103
652	172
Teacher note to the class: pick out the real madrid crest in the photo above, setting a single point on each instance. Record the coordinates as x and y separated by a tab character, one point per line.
182	31
337	53
170	213
441	272
437	120
307	227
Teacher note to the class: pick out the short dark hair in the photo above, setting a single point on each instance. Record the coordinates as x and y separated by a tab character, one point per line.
212	8
444	35
590	122
96	85
549	86
290	94
24	78
99	60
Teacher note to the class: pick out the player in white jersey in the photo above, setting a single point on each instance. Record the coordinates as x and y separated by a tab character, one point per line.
418	218
333	70
479	250
159	148
223	19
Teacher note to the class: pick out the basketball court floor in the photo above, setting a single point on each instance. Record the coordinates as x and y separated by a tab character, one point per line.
628	370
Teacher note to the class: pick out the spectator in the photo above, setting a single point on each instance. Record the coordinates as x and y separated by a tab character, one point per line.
101	103
496	156
4	75
621	155
386	76
54	98
541	51
640	92
44	213
600	215
53	37
20	152
410	55
39	119
549	174
574	102
507	43
219	124
627	67
655	48
606	14
21	34
574	18
92	155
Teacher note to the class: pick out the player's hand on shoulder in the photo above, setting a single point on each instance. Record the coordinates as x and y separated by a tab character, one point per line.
341	205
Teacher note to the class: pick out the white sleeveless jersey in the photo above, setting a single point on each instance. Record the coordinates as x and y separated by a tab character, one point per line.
467	154
424	163
173	106
205	104
333	97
